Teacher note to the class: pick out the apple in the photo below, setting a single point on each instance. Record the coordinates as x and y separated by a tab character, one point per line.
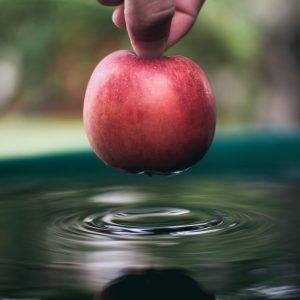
153	116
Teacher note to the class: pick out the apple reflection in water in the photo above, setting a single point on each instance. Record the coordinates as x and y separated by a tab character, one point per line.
155	284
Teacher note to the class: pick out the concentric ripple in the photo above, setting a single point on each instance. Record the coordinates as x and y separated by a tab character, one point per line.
157	222
154	222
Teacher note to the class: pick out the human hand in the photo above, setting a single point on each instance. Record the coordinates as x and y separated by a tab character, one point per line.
154	25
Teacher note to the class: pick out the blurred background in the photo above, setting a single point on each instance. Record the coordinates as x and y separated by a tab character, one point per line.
48	50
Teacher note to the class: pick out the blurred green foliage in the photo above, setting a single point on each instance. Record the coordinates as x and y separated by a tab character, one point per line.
59	42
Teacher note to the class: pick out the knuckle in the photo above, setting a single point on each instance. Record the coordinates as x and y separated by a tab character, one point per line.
158	17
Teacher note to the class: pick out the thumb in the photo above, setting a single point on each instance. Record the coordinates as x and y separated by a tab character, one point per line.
148	24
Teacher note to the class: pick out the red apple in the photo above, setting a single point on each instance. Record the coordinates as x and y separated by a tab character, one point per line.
154	116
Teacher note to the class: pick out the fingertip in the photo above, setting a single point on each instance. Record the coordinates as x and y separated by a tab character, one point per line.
149	50
148	25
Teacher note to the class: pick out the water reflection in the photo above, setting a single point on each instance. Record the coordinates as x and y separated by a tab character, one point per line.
150	284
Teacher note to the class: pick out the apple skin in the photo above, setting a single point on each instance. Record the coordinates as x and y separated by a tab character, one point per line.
153	116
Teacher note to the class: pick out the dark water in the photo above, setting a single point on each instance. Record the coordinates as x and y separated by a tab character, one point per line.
234	239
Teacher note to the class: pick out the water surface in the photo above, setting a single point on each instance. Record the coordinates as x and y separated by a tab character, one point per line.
237	239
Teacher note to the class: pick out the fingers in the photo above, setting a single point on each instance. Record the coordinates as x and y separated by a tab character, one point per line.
153	25
148	24
185	17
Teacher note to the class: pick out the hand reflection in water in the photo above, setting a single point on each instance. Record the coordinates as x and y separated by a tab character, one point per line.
154	284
